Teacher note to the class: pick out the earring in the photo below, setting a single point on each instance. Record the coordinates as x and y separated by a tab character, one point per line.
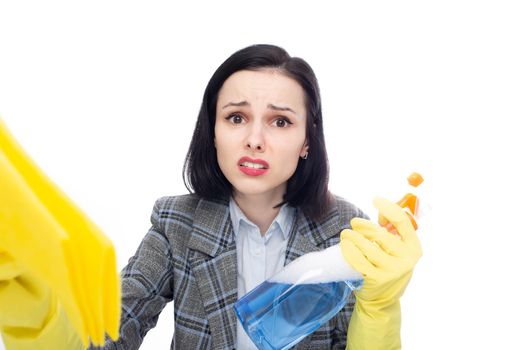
305	156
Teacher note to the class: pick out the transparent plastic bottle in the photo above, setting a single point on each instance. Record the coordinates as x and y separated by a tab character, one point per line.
308	292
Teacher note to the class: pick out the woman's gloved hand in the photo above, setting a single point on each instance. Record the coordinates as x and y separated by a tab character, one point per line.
45	231
386	262
24	301
30	316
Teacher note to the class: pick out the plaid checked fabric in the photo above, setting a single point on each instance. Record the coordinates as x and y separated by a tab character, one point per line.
188	256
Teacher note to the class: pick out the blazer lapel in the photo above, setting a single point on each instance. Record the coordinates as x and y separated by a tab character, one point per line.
214	260
214	263
308	235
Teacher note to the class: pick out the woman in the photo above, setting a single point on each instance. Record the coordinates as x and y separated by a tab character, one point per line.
257	171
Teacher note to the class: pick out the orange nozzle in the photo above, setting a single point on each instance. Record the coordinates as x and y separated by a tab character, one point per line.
409	201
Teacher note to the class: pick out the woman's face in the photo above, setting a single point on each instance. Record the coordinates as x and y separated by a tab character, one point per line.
260	131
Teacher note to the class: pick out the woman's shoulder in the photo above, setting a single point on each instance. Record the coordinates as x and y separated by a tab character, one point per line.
347	210
173	216
187	203
174	212
186	207
325	232
177	216
184	203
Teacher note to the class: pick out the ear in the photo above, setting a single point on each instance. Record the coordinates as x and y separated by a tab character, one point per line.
304	150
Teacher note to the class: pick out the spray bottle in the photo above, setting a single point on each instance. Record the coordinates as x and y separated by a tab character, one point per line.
280	312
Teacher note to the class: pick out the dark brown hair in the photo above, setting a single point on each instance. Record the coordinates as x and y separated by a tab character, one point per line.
307	189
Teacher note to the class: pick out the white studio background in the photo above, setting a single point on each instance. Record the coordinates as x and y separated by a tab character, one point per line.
104	96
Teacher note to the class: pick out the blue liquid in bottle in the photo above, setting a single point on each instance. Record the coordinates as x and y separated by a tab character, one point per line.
279	315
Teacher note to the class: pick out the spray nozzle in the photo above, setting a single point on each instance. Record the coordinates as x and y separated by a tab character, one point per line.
410	202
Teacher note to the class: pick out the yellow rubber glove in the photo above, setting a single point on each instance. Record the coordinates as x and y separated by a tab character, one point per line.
50	236
386	262
30	316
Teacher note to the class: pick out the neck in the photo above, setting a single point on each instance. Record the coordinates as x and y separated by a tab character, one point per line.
258	209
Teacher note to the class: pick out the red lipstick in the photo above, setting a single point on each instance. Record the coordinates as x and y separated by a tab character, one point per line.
253	167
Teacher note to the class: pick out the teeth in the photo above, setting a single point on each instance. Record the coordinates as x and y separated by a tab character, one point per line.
253	165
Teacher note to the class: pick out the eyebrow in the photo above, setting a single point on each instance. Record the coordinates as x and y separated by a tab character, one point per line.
270	105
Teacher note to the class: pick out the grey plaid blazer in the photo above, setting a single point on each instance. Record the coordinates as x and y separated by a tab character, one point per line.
189	256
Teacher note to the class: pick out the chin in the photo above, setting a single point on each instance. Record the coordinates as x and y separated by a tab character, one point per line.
251	189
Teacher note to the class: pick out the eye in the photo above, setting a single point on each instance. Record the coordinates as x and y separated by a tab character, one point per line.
282	122
235	118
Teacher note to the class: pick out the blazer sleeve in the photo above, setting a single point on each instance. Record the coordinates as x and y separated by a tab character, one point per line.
147	283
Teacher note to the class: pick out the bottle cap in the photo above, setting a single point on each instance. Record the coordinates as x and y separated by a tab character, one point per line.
415	179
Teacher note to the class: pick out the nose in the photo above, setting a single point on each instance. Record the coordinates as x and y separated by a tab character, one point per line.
255	139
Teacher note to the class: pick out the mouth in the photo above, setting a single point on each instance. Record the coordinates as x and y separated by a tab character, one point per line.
253	167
